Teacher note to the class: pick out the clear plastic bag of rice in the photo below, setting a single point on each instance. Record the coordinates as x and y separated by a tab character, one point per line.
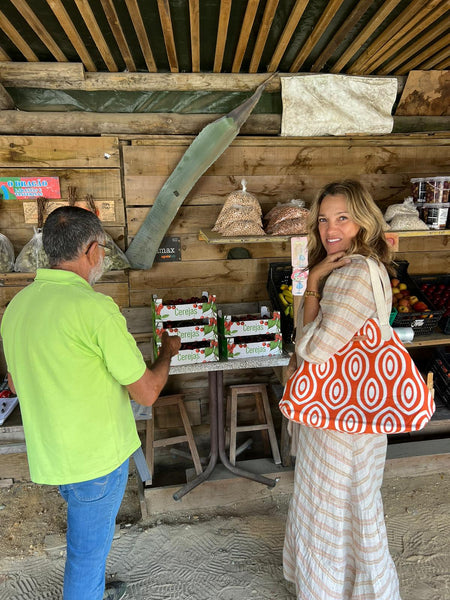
240	207
405	222
288	227
237	228
234	213
241	198
406	208
32	256
6	255
115	259
294	209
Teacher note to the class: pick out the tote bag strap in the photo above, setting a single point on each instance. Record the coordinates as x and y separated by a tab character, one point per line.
379	293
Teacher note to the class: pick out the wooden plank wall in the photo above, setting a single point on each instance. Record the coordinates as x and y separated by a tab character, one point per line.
130	173
276	170
91	165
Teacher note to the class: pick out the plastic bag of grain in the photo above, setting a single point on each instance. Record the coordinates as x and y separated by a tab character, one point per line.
32	256
288	227
236	213
238	228
240	206
293	211
407	223
406	208
115	259
6	255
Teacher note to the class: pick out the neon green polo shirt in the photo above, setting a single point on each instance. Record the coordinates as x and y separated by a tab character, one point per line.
70	355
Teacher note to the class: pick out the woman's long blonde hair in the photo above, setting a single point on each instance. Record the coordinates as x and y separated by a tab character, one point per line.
369	241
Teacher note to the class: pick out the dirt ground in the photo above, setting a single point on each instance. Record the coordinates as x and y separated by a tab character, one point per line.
417	516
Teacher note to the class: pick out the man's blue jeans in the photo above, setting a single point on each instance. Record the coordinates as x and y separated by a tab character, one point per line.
92	507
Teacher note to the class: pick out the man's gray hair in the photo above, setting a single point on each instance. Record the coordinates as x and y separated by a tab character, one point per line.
67	231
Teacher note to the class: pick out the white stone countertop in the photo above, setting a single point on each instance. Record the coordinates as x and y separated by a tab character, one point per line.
257	362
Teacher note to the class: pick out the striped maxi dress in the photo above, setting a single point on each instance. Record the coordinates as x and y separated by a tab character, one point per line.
336	544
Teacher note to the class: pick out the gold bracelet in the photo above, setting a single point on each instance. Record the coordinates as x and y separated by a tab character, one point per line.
315	294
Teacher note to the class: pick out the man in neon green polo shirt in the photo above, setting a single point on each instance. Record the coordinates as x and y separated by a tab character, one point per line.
73	365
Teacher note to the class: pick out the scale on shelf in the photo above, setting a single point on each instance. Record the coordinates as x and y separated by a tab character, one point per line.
7	405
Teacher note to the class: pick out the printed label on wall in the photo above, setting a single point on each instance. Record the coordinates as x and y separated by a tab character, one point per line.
169	250
13	188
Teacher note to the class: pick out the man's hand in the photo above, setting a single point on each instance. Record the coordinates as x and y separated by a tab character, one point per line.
170	343
147	389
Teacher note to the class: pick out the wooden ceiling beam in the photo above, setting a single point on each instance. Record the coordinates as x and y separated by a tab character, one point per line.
246	29
444	64
3	55
406	34
37	26
222	32
435	60
139	27
194	21
387	7
266	24
96	34
6	102
441	44
325	19
71	76
404	20
116	28
169	40
89	123
17	39
412	49
288	32
350	22
41	74
72	33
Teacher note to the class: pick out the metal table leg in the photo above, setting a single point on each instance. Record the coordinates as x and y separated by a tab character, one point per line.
190	485
217	434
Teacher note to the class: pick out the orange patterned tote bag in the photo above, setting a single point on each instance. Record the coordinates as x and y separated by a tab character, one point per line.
371	385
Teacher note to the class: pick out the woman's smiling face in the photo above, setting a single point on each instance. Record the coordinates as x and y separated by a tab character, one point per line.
336	228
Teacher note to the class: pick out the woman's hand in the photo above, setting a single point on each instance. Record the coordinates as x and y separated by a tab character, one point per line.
324	268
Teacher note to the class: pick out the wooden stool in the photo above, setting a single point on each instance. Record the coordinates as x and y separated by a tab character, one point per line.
259	391
151	443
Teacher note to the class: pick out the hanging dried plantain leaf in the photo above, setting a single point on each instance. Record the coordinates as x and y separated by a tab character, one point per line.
210	143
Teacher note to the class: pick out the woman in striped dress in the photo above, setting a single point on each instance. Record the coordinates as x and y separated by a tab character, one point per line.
336	544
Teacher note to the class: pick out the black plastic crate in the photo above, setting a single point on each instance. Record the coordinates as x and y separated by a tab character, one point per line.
440	367
421	322
280	273
437	280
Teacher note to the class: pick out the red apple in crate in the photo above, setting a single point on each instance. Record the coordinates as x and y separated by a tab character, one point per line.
420	306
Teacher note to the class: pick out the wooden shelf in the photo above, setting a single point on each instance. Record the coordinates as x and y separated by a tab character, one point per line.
211	237
432	339
430	232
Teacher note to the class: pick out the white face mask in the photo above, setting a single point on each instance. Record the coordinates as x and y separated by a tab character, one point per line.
96	272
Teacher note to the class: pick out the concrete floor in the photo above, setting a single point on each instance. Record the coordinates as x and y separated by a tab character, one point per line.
239	556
